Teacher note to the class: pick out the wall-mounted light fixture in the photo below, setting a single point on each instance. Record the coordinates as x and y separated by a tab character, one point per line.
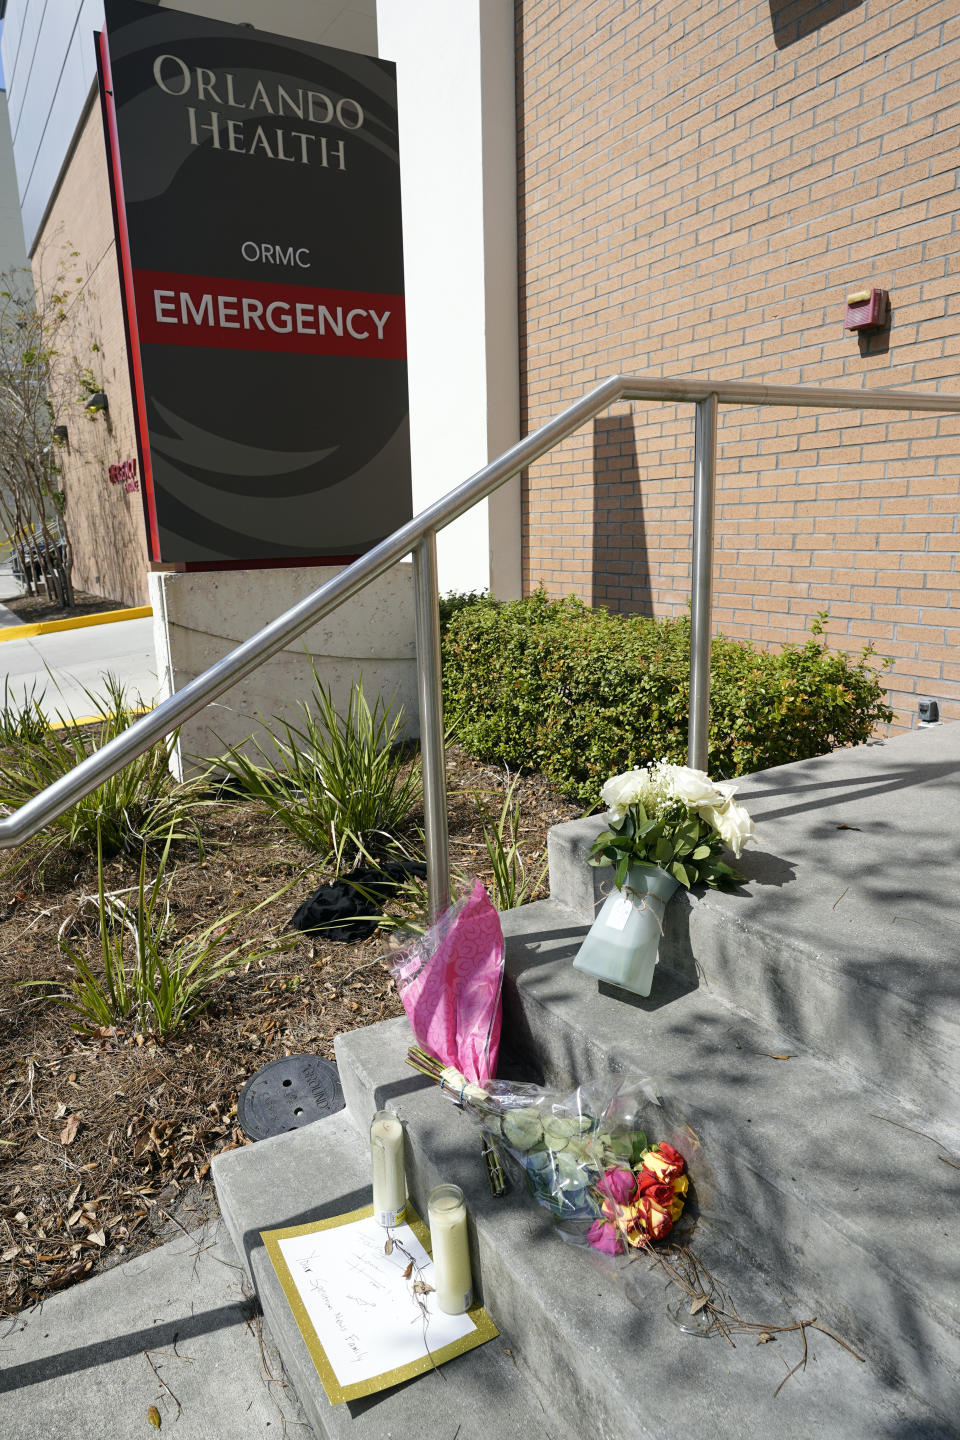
97	402
61	435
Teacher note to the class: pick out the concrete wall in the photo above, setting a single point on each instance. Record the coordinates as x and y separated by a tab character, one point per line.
455	77
198	619
13	252
700	187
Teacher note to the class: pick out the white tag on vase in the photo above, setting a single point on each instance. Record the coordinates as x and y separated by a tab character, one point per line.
620	913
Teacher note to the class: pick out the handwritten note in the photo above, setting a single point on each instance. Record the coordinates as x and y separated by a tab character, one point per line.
365	1324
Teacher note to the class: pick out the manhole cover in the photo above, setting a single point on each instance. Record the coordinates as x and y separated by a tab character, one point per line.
289	1093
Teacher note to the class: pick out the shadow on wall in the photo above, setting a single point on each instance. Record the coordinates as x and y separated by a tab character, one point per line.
115	553
621	567
792	20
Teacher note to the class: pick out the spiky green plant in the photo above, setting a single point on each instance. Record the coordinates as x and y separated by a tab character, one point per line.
139	805
342	784
21	718
513	883
143	976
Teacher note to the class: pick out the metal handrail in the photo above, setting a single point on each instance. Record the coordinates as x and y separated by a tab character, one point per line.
418	537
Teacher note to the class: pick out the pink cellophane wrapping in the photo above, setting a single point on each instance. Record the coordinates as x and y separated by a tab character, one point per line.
450	982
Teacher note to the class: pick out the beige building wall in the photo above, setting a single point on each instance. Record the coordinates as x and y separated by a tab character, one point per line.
700	188
104	517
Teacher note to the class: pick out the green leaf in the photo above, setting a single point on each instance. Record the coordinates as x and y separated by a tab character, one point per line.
663	851
679	871
638	1145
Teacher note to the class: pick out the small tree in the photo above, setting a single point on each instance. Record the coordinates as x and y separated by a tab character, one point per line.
41	382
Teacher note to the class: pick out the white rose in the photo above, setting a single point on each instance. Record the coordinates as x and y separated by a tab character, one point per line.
622	790
732	824
693	787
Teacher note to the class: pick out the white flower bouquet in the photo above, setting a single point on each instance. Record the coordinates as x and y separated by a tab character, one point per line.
667	826
673	817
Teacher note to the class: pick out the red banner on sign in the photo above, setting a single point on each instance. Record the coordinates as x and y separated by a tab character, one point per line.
225	314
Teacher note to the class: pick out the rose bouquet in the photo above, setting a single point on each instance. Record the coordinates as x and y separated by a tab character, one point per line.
584	1157
666	826
621	1190
640	1204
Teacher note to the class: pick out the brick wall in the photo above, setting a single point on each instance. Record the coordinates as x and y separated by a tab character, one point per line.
700	186
105	520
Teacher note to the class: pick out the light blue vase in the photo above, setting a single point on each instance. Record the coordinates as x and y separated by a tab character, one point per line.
624	941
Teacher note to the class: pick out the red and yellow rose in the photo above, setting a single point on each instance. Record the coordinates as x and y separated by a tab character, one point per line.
638	1206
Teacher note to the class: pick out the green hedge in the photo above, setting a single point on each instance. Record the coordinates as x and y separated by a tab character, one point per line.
581	694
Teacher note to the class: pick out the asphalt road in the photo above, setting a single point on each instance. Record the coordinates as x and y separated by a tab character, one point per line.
61	667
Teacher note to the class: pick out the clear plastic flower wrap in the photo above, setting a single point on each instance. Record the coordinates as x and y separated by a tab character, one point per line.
615	1166
609	1161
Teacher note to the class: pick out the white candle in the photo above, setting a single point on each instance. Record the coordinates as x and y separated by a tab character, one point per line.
452	1279
389	1181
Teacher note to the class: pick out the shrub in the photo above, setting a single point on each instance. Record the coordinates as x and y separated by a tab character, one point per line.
581	694
456	600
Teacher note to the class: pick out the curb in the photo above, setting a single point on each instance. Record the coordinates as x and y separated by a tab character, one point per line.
48	627
74	721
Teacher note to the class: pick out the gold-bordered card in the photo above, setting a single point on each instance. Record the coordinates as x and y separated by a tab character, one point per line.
363	1315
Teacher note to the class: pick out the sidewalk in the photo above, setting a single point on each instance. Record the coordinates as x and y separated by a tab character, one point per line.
175	1330
8	587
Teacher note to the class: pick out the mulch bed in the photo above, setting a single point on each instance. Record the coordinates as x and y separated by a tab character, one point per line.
35	609
106	1139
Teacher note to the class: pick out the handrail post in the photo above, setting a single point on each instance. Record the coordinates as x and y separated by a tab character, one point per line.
431	724
701	598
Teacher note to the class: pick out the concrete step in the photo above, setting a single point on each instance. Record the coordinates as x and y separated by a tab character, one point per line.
847	932
594	1359
820	1176
323	1170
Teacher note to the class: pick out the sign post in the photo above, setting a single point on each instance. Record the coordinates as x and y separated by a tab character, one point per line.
256	188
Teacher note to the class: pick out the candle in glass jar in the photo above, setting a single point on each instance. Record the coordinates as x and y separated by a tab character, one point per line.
389	1181
452	1279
